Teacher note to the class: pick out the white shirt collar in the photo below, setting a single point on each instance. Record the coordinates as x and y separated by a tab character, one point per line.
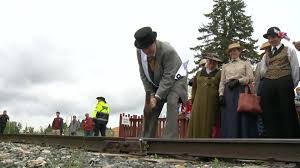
208	71
278	46
235	60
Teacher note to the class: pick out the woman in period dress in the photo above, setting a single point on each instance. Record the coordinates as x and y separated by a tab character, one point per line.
205	98
235	77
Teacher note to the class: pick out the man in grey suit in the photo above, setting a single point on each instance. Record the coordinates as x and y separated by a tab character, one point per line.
163	78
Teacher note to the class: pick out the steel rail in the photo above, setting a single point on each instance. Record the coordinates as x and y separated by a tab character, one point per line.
254	149
97	144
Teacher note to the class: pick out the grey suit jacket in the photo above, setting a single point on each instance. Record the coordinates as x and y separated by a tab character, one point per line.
168	64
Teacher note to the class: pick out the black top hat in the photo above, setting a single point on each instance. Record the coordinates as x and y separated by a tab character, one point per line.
272	31
144	37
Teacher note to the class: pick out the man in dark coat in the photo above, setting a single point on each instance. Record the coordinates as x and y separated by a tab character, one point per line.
3	120
163	79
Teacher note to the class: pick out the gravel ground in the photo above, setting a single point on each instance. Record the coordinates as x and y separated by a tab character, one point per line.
24	155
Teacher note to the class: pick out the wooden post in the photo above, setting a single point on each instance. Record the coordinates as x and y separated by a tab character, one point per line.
121	128
134	118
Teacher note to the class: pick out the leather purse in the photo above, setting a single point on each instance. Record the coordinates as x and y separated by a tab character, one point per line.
249	102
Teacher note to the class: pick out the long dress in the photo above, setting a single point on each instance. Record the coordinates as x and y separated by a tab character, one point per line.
236	124
205	103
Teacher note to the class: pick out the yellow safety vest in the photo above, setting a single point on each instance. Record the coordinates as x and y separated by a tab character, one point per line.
101	107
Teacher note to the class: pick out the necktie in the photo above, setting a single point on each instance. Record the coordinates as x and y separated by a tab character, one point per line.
274	49
151	61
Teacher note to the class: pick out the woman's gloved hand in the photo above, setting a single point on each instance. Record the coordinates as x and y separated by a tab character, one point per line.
233	83
221	100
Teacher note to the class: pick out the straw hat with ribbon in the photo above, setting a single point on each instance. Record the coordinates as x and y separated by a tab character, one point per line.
234	45
265	46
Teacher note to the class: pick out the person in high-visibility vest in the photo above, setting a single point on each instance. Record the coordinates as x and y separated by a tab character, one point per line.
100	116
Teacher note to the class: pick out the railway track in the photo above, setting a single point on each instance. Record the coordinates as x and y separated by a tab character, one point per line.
254	149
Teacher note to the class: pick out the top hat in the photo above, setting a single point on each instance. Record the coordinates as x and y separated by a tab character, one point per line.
144	37
272	31
212	56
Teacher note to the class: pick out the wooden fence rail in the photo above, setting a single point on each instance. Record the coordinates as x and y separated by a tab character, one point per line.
132	126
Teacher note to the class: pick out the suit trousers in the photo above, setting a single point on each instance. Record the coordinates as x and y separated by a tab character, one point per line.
151	117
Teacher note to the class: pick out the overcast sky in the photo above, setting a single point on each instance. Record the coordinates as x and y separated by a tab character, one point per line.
61	55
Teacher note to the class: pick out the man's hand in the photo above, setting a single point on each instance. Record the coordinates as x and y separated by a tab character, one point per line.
297	45
153	101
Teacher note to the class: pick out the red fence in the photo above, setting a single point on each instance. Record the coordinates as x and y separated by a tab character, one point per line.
132	126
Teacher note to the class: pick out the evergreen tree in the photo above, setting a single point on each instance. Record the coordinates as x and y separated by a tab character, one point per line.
11	128
65	129
48	130
31	130
19	128
26	130
42	130
228	23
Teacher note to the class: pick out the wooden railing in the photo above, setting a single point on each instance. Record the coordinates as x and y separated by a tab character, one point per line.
132	126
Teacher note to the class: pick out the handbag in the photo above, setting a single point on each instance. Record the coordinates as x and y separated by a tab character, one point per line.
249	102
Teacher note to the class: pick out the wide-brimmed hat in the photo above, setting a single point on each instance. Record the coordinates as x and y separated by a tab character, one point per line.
234	45
212	56
100	98
202	62
144	37
272	31
265	45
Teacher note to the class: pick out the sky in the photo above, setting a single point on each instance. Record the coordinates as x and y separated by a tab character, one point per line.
60	55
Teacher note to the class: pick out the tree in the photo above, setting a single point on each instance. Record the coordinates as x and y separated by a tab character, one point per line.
65	129
11	128
31	130
25	131
19	128
227	24
48	130
109	132
42	130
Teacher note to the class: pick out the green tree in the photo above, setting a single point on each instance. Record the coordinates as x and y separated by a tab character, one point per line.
42	130
109	132
227	23
19	127
11	128
31	130
25	131
48	130
65	129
